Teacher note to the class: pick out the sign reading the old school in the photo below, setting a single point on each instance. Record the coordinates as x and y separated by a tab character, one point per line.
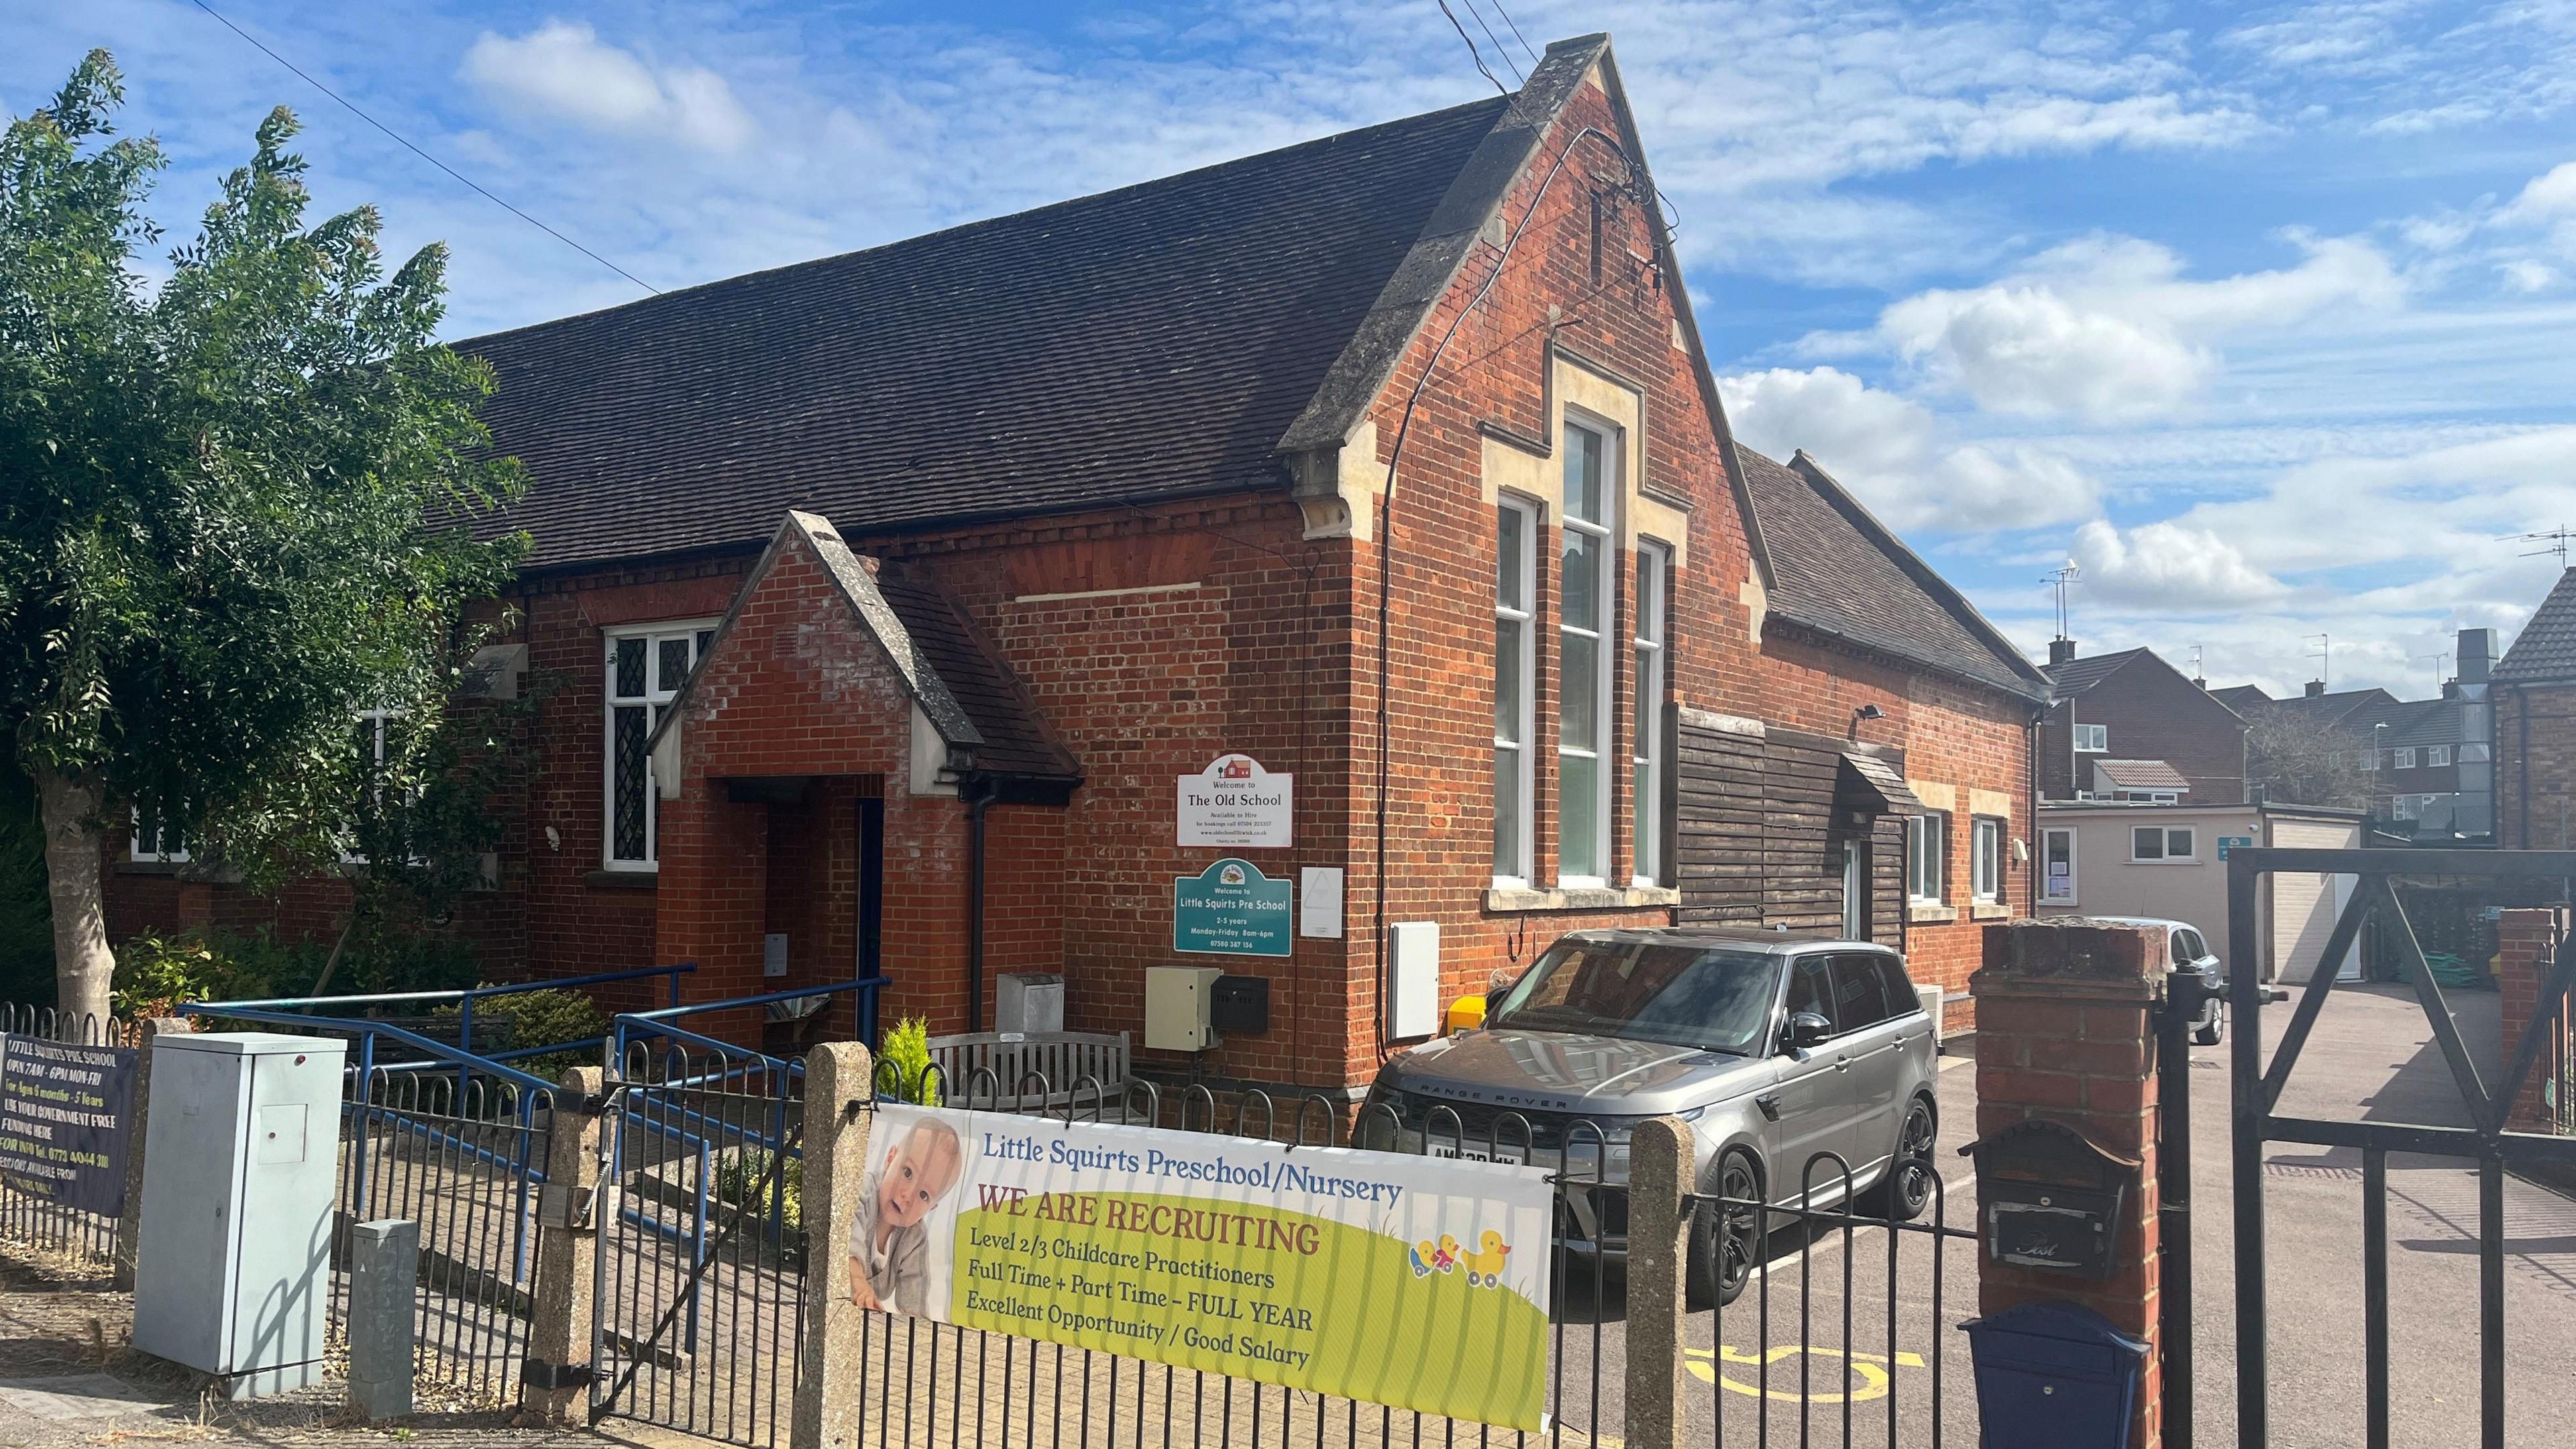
66	1117
1382	1277
1232	909
1237	803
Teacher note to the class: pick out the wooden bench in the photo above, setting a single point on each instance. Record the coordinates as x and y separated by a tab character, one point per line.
1012	1071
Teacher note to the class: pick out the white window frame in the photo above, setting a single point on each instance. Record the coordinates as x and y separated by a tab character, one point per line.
1604	533
2436	756
1653	594
1514	768
1927	855
2406	807
2047	890
2402	759
2370	759
658	692
2099	735
2166	838
1985	860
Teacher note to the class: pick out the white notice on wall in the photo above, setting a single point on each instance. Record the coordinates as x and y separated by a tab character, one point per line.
773	954
1319	901
1236	802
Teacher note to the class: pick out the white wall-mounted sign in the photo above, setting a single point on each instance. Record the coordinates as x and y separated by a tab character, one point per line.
1319	901
1236	802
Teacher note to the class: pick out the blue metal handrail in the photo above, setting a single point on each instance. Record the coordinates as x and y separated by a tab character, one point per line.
658	1022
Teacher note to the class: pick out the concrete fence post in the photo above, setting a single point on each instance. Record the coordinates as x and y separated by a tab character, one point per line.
556	1376
129	1225
838	1099
1660	1163
384	1278
2066	1012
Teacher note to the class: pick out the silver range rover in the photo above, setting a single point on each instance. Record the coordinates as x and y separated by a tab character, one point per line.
1804	1068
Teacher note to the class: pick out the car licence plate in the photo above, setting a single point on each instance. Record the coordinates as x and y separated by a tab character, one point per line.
1511	1152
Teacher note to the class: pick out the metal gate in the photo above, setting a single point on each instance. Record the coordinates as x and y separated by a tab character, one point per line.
699	1282
2257	1092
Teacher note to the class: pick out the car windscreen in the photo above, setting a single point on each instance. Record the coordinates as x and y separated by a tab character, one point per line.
1713	999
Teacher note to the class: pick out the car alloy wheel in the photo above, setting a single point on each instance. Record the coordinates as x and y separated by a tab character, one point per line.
1913	1164
1740	1237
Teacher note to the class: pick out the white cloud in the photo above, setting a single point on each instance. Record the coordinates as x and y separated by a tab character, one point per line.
2169	568
2521	274
2107	329
1897	456
563	70
2546	197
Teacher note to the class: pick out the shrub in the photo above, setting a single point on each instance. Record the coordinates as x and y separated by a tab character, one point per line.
540	1018
742	1179
156	973
904	1056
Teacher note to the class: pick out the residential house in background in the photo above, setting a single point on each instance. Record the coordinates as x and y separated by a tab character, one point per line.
2426	764
2129	726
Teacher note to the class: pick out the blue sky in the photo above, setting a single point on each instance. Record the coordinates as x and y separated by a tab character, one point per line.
2258	314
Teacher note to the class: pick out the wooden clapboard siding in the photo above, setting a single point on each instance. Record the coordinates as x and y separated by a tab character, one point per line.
1760	821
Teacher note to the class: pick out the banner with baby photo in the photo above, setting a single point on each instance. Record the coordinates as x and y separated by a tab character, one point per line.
1387	1278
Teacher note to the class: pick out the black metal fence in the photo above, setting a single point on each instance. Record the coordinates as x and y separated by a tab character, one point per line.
464	1155
74	1239
1811	1293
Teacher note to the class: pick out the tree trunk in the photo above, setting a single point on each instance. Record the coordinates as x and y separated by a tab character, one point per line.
74	849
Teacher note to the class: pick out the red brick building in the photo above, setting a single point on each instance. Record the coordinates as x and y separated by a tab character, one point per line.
886	600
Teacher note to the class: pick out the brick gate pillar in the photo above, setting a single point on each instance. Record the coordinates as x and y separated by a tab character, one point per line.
2066	1031
2526	954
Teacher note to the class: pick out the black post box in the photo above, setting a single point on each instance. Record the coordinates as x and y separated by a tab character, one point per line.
2052	1198
2054	1376
1240	1005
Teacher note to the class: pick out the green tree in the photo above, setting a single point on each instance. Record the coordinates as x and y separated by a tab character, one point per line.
235	506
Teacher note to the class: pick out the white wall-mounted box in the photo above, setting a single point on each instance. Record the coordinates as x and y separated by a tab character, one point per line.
1413	979
1178	1007
1029	1003
241	1158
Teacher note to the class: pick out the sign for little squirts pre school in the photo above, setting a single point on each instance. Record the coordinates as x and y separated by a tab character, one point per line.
1381	1277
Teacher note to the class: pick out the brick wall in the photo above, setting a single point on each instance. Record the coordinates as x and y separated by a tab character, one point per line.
2535	767
2527	945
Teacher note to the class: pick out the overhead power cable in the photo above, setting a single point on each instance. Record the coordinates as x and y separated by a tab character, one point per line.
1501	52
1473	53
459	176
1516	31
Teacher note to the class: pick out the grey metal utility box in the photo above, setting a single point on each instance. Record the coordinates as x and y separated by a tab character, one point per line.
241	1156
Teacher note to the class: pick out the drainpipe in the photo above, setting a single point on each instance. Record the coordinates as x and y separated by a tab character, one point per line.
2030	807
980	795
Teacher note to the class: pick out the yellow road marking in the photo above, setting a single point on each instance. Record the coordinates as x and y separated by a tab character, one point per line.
1875	1380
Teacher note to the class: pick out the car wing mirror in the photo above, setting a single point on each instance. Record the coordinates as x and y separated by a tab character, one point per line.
1807	1031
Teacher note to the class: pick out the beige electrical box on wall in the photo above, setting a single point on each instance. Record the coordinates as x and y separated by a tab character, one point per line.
1177	1005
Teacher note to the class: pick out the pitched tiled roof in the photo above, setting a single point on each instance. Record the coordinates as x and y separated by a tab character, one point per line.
2242	697
2545	651
1154	341
2141	774
1016	739
1836	569
2080	674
